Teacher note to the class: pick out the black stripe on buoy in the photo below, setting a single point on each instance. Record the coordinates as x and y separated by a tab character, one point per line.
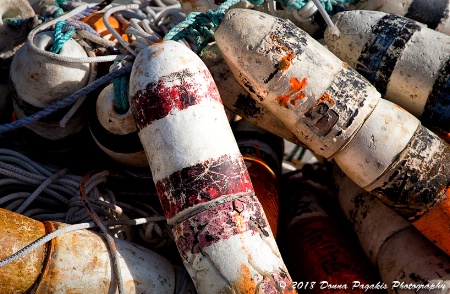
379	56
429	12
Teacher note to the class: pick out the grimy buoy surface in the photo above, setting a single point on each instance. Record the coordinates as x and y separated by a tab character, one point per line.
76	262
238	100
433	13
317	96
38	81
338	114
203	185
13	36
400	252
408	63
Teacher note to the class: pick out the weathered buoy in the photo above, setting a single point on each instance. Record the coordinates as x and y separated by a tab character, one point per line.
14	18
323	257
38	81
408	64
76	262
203	185
338	114
316	96
400	252
433	13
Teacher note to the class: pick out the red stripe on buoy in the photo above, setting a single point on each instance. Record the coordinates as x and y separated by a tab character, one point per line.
220	223
203	182
178	90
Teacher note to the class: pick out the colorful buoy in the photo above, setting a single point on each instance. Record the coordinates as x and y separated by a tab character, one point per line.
220	228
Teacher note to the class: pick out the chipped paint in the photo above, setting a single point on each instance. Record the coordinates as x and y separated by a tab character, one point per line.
203	182
285	62
220	223
246	284
296	86
326	98
380	55
176	91
417	178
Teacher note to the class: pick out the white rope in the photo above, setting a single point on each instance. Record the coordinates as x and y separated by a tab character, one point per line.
68	59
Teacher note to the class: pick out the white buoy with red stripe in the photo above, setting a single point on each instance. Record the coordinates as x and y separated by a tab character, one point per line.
392	244
339	114
219	225
408	64
433	13
13	36
116	133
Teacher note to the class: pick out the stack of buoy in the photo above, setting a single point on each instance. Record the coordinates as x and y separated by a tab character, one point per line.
191	103
339	115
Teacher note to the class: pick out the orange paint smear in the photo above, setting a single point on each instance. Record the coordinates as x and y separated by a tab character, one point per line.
280	47
326	98
157	43
285	62
245	283
296	86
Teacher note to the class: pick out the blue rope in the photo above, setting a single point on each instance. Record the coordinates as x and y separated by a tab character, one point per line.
14	22
120	86
90	10
79	25
59	2
202	25
72	24
60	38
299	4
64	102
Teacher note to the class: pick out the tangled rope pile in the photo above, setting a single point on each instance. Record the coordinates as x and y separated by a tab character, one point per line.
48	193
